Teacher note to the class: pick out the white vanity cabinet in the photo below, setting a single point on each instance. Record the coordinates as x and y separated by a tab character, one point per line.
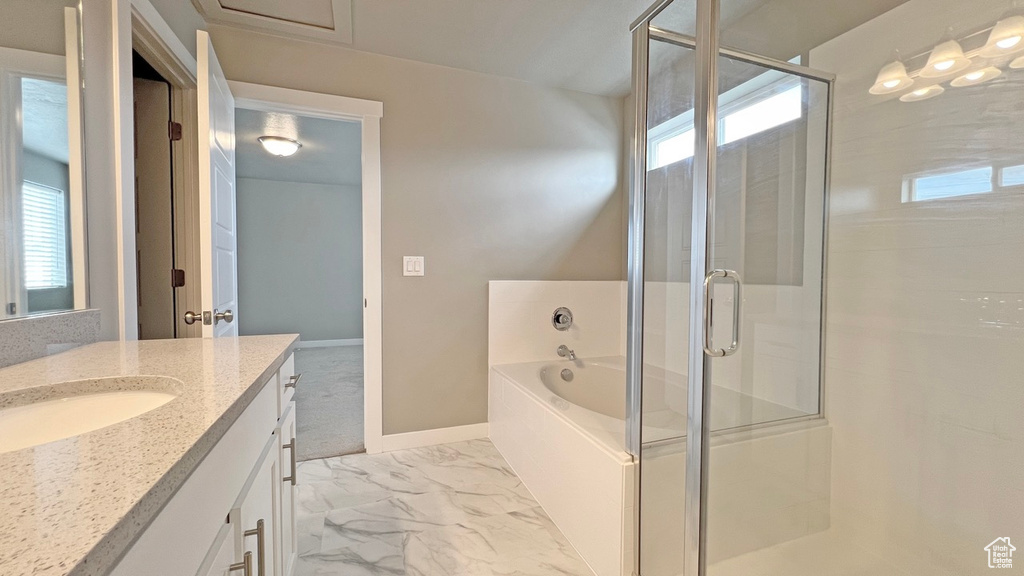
235	514
289	538
255	518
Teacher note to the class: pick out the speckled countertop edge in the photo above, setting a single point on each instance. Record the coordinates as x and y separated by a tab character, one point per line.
115	542
112	547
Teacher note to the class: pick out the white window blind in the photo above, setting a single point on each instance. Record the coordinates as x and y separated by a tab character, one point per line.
44	236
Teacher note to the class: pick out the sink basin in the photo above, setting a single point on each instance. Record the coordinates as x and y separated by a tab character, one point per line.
51	413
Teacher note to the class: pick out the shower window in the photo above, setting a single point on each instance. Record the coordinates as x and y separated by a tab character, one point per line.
970	182
758	105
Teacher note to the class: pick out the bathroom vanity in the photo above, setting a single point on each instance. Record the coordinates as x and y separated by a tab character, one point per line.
198	477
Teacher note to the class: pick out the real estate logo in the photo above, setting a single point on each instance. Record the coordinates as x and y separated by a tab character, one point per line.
1000	553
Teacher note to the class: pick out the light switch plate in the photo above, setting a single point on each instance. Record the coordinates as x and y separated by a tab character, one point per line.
412	266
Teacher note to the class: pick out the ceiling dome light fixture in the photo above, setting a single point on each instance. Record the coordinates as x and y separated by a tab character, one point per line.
922	94
1007	37
977	77
946	58
1017	63
280	146
892	77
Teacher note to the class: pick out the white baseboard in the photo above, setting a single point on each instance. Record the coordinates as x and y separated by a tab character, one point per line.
328	343
433	437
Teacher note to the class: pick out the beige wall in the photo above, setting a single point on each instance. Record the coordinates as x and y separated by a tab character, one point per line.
488	178
183	19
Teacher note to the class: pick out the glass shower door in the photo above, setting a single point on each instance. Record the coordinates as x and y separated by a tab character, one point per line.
760	363
768	464
661	241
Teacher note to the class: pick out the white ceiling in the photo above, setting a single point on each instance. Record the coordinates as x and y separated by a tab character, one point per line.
577	44
581	45
318	13
330	152
44	105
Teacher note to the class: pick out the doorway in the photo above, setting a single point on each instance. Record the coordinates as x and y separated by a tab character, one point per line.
300	262
157	278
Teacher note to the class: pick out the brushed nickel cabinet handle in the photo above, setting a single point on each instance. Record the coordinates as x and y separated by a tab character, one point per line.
261	560
293	381
291	447
245	565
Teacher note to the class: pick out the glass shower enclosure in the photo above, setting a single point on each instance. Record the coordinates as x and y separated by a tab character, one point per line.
725	291
875	145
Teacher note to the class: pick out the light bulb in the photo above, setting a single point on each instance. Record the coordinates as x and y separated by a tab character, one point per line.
977	77
1005	38
1007	43
279	146
922	93
946	58
891	78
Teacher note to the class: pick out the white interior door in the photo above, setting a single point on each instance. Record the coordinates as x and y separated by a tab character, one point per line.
218	242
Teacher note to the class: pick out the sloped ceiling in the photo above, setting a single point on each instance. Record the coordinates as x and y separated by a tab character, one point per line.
580	45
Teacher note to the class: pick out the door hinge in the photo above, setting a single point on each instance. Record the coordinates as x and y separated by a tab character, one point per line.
12	309
177	278
174	131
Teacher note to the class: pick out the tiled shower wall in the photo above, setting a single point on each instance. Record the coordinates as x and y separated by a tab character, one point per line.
925	334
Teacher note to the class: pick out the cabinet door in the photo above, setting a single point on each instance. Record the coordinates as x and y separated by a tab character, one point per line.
221	555
287	382
255	514
289	544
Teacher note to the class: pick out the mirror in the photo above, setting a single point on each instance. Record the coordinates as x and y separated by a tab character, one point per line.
42	216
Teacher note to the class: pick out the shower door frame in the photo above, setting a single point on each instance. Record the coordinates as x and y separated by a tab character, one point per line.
708	49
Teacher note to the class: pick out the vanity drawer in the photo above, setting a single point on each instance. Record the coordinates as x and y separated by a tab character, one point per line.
287	381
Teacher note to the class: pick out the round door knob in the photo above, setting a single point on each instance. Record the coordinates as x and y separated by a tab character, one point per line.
191	317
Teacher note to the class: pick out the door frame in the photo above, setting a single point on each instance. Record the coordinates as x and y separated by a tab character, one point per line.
368	113
153	39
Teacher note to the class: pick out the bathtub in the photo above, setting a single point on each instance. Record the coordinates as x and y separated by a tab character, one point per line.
561	426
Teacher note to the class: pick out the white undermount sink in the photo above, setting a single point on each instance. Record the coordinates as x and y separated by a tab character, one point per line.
73	408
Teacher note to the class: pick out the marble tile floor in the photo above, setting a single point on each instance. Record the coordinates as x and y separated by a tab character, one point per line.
449	510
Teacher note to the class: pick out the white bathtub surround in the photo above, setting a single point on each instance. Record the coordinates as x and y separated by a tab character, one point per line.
519	320
774	481
566	437
768	486
456	509
574	464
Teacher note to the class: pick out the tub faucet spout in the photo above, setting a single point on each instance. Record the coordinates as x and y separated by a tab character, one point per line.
565	352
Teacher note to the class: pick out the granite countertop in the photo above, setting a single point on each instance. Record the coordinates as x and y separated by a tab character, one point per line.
74	506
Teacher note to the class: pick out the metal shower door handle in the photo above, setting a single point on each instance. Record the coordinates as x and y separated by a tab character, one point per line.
709	282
